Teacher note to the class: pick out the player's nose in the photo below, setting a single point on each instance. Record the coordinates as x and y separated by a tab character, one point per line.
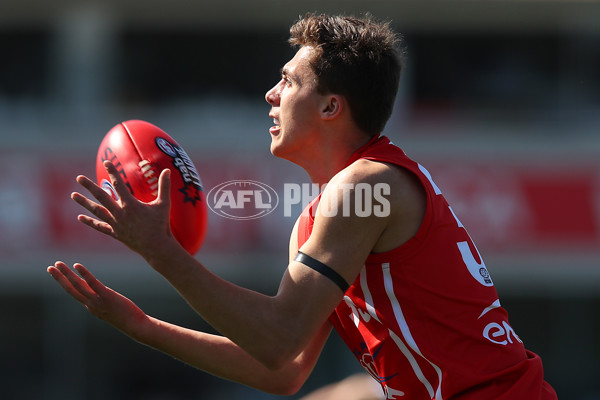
272	96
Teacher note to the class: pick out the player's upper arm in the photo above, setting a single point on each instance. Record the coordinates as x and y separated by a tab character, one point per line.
342	240
354	210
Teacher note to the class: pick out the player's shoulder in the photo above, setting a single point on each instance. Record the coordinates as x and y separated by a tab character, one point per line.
373	172
403	189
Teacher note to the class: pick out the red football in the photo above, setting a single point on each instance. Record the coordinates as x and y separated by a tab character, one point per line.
140	151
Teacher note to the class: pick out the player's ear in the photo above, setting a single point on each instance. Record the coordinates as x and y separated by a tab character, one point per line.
332	107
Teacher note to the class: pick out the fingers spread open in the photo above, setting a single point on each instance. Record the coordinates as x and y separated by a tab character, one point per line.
97	286
100	226
102	196
117	182
71	282
98	210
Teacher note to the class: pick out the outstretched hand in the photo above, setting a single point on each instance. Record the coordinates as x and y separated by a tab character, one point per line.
99	300
140	226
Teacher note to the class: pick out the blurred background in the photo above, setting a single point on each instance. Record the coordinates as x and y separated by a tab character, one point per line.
500	100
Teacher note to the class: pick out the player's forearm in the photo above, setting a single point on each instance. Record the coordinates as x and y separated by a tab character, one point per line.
250	319
221	357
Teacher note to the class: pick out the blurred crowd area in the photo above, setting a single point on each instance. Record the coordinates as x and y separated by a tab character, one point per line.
499	100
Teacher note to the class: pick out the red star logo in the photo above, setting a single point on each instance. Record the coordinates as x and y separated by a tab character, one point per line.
190	194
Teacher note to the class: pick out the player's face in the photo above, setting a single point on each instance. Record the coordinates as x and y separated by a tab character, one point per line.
295	105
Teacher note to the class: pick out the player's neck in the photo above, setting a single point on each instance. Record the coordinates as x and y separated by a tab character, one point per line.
332	158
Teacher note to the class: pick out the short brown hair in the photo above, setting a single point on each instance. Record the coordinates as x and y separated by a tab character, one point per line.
358	58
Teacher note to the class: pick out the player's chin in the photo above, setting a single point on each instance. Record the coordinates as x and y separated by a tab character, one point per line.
274	148
277	147
275	140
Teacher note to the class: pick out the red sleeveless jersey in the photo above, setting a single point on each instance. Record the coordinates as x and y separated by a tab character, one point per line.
424	319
